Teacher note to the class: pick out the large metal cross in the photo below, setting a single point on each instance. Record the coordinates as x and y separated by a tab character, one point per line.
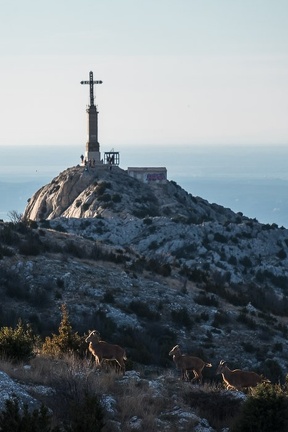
91	83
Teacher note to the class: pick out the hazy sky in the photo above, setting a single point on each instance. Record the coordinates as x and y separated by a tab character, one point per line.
173	71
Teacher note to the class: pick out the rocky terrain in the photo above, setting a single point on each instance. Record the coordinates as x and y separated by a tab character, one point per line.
149	266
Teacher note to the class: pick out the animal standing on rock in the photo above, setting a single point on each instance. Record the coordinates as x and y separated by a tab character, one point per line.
237	379
188	363
103	351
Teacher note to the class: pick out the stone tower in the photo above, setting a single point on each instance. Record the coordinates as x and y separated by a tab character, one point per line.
92	152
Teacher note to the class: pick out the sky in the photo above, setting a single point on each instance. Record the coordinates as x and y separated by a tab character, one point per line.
174	72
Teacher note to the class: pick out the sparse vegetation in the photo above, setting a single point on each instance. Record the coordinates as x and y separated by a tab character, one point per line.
66	341
12	418
17	344
264	411
182	317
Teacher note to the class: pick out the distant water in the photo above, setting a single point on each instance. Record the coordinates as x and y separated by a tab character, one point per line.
252	180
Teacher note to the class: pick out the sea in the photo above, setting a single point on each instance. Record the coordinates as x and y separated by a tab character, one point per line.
252	180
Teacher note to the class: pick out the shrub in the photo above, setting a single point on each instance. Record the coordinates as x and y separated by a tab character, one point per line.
245	319
281	254
156	266
17	344
58	227
245	261
105	197
218	408
220	318
8	235
220	238
14	217
32	224
186	251
45	223
66	341
85	206
265	411
182	317
86	415
205	300
232	260
248	347
116	198
14	419
101	187
273	371
142	309
108	297
75	249
153	245
31	246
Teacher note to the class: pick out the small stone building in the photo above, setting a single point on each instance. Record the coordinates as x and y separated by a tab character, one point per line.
149	174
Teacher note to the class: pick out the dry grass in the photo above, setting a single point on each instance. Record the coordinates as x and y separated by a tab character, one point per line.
145	400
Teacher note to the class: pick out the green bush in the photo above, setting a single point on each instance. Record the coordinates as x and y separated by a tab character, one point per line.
6	251
17	344
105	197
220	238
265	411
116	198
220	318
86	415
142	309
85	206
8	235
108	297
65	342
205	300
245	261
58	227
31	246
72	248
273	371
218	408
101	187
12	419
244	318
182	317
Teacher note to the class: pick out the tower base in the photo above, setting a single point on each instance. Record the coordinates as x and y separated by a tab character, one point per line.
93	157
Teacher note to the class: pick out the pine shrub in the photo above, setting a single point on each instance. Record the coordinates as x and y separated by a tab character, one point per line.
18	343
66	341
15	420
264	411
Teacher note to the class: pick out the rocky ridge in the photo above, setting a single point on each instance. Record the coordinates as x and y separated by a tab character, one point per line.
163	222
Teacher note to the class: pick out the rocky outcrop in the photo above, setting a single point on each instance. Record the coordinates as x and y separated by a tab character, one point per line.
163	222
82	192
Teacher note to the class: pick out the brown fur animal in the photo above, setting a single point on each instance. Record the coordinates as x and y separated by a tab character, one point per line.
103	351
188	363
237	379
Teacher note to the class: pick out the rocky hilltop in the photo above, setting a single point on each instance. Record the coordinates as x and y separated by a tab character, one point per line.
164	222
82	192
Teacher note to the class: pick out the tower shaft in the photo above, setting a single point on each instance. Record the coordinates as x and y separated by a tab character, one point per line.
92	145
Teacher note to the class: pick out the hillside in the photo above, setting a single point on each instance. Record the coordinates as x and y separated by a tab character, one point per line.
149	266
